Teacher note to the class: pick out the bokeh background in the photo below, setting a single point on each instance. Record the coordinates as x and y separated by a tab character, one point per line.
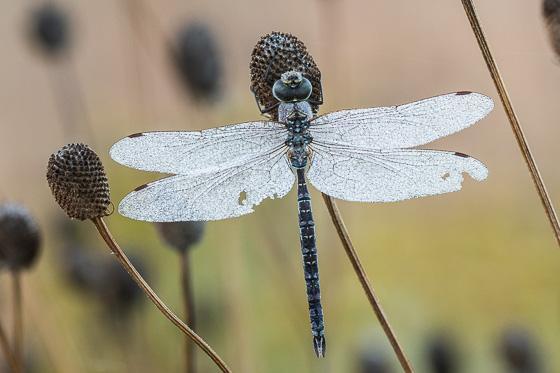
464	268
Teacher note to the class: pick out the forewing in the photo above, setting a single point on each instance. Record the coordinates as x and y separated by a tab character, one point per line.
229	193
190	153
402	126
391	175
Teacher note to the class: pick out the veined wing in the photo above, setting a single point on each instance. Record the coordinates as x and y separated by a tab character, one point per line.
228	193
190	153
368	175
402	126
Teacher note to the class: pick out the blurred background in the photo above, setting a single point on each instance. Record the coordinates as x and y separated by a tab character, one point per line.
469	280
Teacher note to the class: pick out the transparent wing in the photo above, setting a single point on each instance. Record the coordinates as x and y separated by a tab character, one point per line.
190	153
402	126
225	194
390	175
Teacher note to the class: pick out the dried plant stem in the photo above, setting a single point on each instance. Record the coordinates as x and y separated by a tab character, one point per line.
188	304
7	352
366	285
127	265
18	318
512	116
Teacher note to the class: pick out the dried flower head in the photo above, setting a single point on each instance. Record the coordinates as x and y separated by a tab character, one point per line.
50	29
181	235
20	238
78	182
275	54
198	61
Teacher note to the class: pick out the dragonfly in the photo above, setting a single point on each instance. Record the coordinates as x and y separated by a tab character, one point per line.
365	155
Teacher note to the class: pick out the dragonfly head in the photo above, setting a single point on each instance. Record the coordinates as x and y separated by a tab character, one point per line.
292	86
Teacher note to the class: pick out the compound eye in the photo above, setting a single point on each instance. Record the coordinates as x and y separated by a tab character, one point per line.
285	93
282	92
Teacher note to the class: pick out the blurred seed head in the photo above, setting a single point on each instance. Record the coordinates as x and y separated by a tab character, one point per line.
442	354
116	290
551	15
181	235
20	238
102	277
78	182
374	361
275	54
198	61
49	29
519	351
80	267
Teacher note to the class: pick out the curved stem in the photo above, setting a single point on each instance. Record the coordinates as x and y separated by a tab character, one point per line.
188	304
127	265
18	318
512	116
364	280
5	347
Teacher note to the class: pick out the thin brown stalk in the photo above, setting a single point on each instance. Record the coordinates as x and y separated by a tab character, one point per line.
127	265
364	280
7	352
189	309
512	116
17	297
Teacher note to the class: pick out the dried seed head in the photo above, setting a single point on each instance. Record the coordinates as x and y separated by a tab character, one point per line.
78	182
20	239
198	61
551	14
275	54
181	235
49	29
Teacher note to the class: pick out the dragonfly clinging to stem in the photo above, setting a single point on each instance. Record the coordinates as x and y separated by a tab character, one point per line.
362	155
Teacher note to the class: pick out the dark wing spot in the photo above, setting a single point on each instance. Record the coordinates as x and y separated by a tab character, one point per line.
463	93
462	155
242	199
141	187
136	135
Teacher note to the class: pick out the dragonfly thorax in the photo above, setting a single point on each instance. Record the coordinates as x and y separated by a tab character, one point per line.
295	116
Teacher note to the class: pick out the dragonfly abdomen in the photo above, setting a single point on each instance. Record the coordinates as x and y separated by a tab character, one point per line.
310	264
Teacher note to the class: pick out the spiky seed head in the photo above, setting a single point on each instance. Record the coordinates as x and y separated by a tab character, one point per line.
198	61
78	182
20	238
181	235
275	54
49	29
551	14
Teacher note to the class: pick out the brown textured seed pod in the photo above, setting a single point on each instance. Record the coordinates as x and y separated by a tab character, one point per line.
551	14
20	238
274	54
78	182
181	235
